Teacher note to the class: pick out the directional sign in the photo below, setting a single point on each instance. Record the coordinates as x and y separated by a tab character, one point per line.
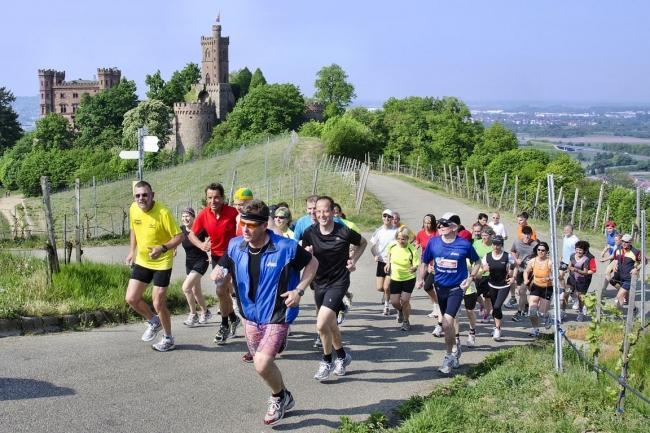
150	143
129	154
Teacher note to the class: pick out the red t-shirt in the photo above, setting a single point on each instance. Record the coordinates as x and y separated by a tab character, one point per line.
422	238
220	229
465	234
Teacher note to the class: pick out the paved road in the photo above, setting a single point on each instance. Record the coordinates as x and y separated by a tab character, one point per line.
108	380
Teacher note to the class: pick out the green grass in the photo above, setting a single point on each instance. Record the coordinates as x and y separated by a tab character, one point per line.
516	390
76	289
177	187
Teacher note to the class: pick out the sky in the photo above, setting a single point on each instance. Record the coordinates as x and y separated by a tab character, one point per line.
583	51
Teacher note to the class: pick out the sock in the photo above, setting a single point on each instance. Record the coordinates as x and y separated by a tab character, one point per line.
233	317
340	353
327	358
224	320
155	320
279	394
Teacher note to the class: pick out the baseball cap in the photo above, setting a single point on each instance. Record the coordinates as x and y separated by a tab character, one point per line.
498	240
610	223
189	210
627	238
243	194
449	217
387	212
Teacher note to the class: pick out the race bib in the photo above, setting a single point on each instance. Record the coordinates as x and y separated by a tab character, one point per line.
447	263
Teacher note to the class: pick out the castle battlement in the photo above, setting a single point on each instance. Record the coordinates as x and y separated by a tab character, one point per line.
193	108
112	70
49	71
77	83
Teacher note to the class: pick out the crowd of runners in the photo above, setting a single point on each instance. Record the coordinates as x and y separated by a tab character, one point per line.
262	263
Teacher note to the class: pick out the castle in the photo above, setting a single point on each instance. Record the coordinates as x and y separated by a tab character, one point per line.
193	121
63	97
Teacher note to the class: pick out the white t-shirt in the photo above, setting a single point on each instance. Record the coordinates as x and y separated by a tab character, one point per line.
499	229
380	240
568	247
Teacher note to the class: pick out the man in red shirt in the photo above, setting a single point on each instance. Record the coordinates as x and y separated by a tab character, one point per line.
220	223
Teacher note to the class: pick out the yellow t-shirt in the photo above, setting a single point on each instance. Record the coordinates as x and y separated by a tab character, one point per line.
401	259
151	229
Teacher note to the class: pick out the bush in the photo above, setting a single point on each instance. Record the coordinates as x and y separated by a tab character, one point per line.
312	128
348	137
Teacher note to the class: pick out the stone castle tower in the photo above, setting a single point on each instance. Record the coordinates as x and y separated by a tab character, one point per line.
63	97
193	121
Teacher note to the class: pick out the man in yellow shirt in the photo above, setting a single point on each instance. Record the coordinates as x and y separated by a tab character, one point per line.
154	235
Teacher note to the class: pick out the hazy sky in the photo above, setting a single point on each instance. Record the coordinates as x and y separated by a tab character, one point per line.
483	50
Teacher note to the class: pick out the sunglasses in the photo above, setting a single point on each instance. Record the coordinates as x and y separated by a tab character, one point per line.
143	195
281	217
387	216
250	226
541	250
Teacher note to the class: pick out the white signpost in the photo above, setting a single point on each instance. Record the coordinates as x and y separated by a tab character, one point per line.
146	143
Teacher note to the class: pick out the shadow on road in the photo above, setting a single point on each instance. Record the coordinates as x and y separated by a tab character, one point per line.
21	389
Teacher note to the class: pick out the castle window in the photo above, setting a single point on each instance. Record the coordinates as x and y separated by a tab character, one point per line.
42	109
74	107
63	108
62	95
75	95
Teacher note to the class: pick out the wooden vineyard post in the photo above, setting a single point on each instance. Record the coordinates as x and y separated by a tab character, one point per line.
52	257
487	189
600	204
514	206
77	232
503	190
575	205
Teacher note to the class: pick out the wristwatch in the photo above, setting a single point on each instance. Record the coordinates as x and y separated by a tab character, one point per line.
164	248
301	292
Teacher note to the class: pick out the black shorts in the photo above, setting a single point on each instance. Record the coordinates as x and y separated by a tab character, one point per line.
215	260
470	300
542	292
146	275
381	270
520	277
482	287
397	287
624	282
330	295
449	299
199	266
428	282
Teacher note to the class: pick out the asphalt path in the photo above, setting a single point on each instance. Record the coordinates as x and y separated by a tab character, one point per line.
108	380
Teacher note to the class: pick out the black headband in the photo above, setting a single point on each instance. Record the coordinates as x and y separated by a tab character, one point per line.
254	217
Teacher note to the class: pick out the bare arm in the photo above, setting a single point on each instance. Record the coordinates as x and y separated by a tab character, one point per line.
155	252
352	261
132	249
205	245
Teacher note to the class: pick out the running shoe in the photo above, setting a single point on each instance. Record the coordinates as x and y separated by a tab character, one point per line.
222	335
400	316
471	340
324	370
534	333
432	314
406	326
153	328
576	305
317	342
518	317
349	295
164	345
203	319
386	310
486	317
340	318
458	349
233	326
496	334
580	317
247	358
512	303
447	364
340	364
455	363
437	331
548	321
192	320
277	408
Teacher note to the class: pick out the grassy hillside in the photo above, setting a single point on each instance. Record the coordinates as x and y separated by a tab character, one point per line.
289	177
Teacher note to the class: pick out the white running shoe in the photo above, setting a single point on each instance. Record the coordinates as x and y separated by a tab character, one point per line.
432	314
496	334
164	345
203	319
340	364
192	320
438	332
153	328
447	364
471	340
386	310
277	407
324	370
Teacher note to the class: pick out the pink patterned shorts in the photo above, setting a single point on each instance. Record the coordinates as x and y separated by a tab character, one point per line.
268	339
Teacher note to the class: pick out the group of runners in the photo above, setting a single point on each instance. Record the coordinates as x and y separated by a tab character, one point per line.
262	265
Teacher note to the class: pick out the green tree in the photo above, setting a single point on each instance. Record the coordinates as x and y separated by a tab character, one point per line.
104	110
495	140
256	80
180	83
313	128
566	170
154	115
53	131
10	130
265	110
333	90
156	85
348	137
240	81
12	159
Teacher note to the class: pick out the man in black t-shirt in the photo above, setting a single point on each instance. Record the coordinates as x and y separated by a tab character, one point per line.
265	271
330	242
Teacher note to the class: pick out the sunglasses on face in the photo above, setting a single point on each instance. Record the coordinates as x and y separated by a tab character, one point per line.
281	217
540	250
251	226
143	195
387	216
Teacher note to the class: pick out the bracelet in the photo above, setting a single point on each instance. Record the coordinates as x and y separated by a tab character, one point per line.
164	248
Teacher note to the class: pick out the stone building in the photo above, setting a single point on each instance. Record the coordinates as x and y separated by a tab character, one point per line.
193	121
63	97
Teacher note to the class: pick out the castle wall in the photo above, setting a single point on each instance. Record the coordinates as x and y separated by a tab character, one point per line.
193	123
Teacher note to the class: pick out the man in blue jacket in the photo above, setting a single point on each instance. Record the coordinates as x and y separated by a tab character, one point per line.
265	269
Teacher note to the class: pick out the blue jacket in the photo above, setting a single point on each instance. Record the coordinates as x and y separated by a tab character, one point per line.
277	276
